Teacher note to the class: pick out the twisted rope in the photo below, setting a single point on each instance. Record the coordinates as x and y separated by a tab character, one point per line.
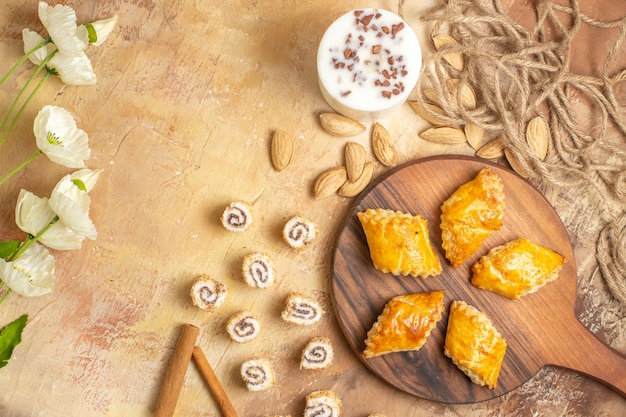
517	75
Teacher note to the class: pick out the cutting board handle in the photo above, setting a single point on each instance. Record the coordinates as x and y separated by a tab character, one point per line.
586	354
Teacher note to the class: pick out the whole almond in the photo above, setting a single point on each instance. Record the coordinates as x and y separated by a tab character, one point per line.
468	96
453	58
338	125
281	150
351	189
355	156
515	163
426	115
444	135
492	150
383	149
474	135
537	136
329	181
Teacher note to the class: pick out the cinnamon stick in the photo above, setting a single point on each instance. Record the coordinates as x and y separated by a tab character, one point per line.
214	384
175	374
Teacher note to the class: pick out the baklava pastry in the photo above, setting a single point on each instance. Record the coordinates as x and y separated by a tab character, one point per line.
470	214
516	268
474	344
399	243
404	324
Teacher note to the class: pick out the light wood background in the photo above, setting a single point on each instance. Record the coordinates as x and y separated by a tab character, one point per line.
188	95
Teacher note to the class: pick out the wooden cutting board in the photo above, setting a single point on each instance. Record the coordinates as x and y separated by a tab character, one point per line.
541	328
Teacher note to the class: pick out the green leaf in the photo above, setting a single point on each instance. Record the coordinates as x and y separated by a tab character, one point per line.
8	248
10	337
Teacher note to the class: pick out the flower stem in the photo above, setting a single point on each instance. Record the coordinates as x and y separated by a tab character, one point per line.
20	166
6	294
31	239
24	58
30	97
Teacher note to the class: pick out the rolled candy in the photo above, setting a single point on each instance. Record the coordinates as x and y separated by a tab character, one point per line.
302	310
208	294
318	354
322	403
257	374
258	270
237	217
243	327
299	232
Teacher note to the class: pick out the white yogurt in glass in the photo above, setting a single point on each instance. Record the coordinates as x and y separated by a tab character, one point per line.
368	61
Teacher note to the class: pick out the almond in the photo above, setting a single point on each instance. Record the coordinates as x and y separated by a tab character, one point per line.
351	189
537	136
468	96
492	150
329	181
355	160
424	113
383	149
453	58
515	163
281	149
474	135
338	125
444	135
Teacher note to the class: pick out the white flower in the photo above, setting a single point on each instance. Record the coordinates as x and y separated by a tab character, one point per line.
59	138
32	274
70	201
73	69
33	214
96	33
60	22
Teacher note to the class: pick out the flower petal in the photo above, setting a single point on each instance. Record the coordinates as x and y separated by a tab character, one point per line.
32	274
60	21
32	213
101	28
59	138
73	69
71	203
32	39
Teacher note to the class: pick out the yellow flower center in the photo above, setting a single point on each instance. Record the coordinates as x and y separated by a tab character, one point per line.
54	139
18	268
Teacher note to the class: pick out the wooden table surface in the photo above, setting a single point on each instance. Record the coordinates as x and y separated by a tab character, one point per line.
188	95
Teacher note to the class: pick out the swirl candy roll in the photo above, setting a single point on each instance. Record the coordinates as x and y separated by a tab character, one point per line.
207	293
299	232
302	310
368	61
243	327
318	354
258	270
322	403
257	374
237	216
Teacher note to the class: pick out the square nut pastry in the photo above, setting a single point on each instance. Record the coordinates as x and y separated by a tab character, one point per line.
470	214
405	323
474	344
516	268
399	243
